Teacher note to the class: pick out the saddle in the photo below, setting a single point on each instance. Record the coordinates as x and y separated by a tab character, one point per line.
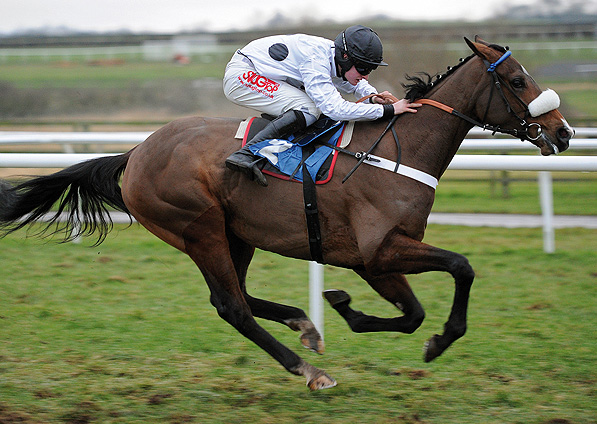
305	157
286	157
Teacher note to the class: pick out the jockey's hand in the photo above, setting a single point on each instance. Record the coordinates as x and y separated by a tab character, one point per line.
404	105
385	98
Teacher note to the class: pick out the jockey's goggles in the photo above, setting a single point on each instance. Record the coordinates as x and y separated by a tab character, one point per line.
363	68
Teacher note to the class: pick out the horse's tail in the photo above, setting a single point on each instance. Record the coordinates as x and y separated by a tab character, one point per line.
81	193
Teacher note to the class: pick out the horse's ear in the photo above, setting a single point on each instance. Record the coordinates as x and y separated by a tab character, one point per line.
472	46
479	40
479	47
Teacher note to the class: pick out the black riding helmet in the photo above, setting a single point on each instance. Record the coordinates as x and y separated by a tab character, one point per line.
362	47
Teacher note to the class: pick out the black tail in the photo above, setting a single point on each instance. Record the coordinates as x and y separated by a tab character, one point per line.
82	193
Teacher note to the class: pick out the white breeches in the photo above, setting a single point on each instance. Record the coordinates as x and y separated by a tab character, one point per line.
245	87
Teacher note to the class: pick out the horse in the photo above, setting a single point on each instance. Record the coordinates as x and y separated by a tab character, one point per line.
176	185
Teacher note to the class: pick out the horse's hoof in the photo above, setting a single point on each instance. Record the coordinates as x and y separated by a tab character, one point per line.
323	381
431	350
336	297
312	341
310	337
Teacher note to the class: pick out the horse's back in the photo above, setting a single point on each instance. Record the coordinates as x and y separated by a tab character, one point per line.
205	137
178	174
189	144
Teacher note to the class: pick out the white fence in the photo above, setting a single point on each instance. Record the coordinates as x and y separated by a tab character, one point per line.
583	139
150	50
461	161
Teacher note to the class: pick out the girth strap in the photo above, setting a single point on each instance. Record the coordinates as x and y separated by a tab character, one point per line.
312	215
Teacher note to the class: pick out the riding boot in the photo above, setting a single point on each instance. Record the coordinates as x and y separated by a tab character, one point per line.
245	161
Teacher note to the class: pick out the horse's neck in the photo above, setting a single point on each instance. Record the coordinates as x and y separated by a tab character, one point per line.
432	136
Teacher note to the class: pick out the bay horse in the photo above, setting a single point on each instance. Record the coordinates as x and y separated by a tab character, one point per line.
176	185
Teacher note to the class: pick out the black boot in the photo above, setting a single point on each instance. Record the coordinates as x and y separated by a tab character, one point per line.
244	161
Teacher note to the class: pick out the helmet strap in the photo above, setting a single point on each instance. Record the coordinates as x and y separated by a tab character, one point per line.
343	63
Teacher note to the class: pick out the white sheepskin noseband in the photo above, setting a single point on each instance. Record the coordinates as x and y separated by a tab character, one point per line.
545	102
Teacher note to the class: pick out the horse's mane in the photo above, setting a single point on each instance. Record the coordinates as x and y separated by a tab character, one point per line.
422	84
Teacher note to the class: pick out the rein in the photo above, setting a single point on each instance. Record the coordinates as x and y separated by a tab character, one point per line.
366	155
498	83
523	135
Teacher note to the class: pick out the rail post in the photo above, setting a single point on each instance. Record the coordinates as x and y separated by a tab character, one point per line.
315	297
546	199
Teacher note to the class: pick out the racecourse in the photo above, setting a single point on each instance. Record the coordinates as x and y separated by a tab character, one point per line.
124	333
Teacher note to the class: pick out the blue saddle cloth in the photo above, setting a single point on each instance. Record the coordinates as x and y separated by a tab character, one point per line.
287	155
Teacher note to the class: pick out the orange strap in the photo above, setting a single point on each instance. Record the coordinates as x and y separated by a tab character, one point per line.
383	96
422	101
436	104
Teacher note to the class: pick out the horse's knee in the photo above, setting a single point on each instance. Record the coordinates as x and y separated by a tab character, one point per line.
236	315
415	320
222	308
462	270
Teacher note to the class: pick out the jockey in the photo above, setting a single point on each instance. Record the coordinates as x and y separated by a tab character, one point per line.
297	78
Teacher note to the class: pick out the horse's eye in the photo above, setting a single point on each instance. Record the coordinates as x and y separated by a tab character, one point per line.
518	83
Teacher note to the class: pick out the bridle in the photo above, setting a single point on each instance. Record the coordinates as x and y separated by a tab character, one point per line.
498	83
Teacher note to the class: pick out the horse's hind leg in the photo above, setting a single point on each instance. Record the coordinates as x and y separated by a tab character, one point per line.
293	317
392	287
206	243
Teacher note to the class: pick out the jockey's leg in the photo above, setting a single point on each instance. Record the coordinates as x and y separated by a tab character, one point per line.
243	160
293	108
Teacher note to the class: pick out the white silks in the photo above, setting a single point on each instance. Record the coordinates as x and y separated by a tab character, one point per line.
545	102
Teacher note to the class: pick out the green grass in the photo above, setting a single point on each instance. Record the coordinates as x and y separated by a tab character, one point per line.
534	59
468	191
74	74
125	333
581	99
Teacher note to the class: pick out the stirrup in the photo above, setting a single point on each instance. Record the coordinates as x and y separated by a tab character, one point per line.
256	174
250	169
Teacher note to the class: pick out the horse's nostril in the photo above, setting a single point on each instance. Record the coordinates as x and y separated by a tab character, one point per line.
564	134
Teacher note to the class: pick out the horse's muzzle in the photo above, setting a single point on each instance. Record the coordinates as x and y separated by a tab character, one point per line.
555	145
564	134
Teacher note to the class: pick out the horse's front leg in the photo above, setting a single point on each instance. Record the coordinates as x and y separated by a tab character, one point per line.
392	287
402	254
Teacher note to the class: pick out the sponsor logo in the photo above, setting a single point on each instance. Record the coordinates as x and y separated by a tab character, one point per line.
259	83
